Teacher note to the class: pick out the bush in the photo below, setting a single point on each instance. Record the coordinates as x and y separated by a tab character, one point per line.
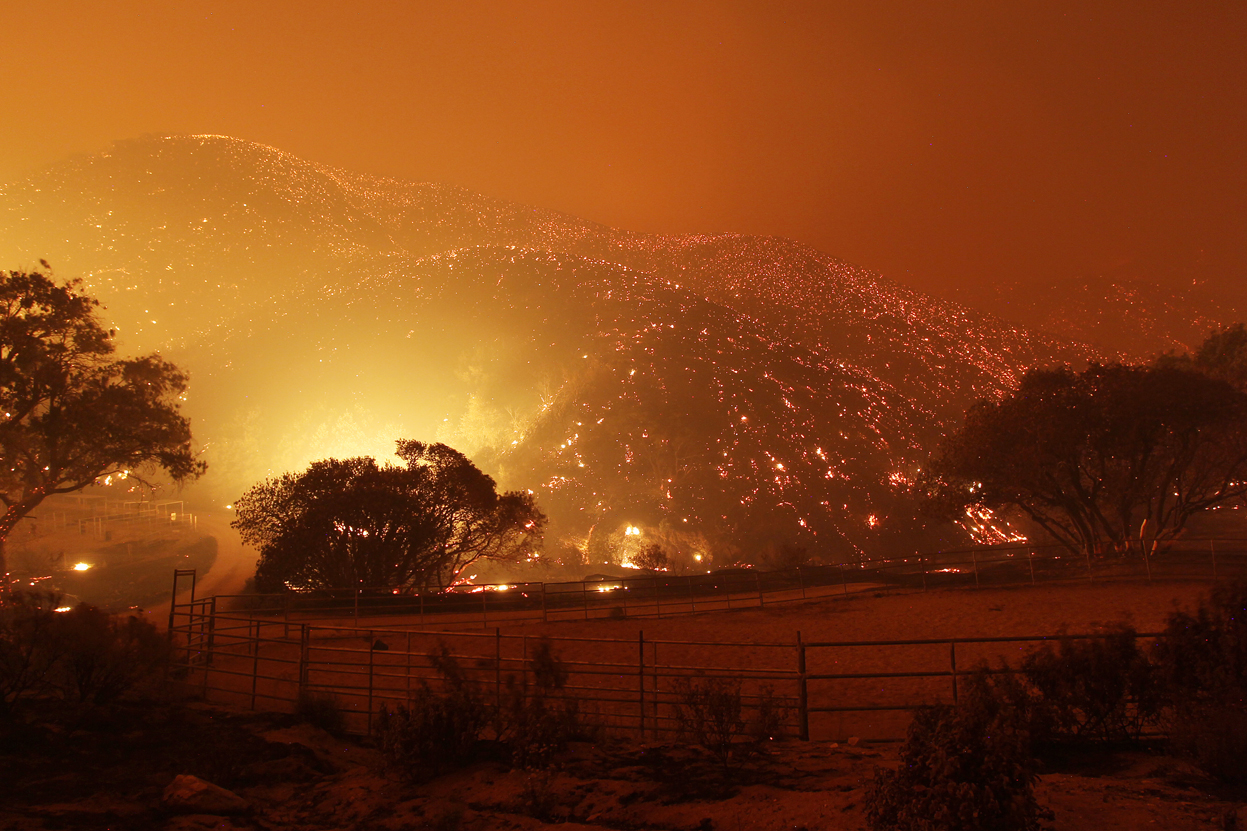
537	720
963	768
1202	662
82	655
710	713
435	732
1098	689
27	647
104	656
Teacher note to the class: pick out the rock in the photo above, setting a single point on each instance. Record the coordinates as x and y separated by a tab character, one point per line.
192	795
853	740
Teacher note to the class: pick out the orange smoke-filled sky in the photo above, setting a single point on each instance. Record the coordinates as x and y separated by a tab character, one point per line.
944	144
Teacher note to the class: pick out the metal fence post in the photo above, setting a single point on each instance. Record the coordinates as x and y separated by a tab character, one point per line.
952	659
757	580
657	598
303	658
484	608
641	677
803	700
211	631
255	660
692	598
498	668
801	582
372	642
844	578
357	607
974	558
1030	561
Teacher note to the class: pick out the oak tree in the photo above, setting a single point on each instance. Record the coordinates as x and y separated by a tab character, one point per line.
1102	458
70	413
346	523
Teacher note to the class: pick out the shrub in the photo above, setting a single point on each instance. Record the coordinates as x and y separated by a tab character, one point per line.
1098	689
320	711
104	656
963	768
1202	662
83	655
710	712
434	732
27	647
537	720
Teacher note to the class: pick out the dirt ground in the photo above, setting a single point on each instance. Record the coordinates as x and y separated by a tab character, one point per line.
295	776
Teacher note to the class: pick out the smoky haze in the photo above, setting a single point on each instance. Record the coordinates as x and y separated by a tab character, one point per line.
944	145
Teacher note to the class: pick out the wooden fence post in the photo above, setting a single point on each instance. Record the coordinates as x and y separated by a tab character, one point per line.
801	582
641	678
544	618
803	700
757	581
286	617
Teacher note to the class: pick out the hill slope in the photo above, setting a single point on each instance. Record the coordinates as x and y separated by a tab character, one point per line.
719	392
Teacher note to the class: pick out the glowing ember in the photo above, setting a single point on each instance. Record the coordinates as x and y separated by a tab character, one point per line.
82	566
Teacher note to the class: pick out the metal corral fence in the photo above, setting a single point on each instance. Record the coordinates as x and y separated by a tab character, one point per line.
483	606
241	650
825	690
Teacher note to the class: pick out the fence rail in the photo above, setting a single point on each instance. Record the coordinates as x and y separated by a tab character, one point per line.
354	647
658	595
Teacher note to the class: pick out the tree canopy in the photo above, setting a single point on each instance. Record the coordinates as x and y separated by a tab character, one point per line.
71	414
1100	458
346	523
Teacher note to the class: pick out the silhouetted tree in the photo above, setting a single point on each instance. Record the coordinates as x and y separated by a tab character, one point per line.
1222	355
652	558
70	414
351	522
1099	458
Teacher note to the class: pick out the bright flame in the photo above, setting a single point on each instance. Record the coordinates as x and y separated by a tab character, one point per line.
82	566
63	609
632	531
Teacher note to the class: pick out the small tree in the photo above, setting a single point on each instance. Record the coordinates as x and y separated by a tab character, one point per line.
652	558
351	522
70	414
